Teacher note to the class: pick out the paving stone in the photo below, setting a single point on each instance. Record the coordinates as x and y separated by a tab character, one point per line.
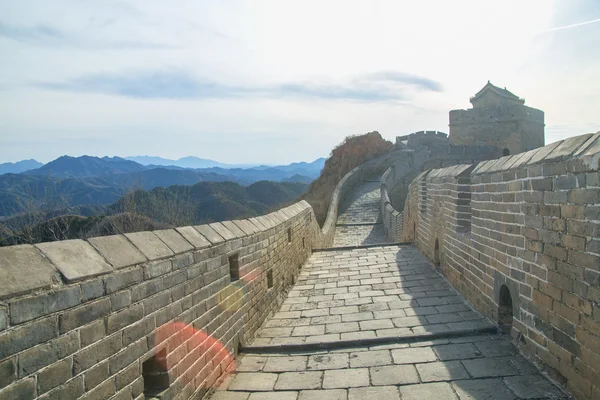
412	355
281	364
327	361
253	381
223	395
457	351
533	387
376	324
477	389
342	327
333	394
370	358
274	396
496	348
374	393
428	391
299	380
358	335
346	378
394	375
332	337
442	371
490	367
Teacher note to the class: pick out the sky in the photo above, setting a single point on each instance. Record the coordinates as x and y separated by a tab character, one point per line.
273	82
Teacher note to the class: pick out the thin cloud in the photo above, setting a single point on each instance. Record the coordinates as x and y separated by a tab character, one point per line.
386	86
593	21
404	78
46	36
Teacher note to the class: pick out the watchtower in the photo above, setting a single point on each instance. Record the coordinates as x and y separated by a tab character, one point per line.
498	118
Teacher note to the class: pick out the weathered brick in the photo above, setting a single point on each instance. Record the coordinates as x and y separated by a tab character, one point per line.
40	356
572	211
96	375
70	390
128	375
123	279
8	371
541	184
103	391
92	333
583	228
92	290
584	260
573	242
15	340
120	300
3	318
555	251
127	356
33	307
56	374
157	268
138	330
124	317
592	277
23	389
183	260
83	315
156	302
549	210
97	352
584	196
593	246
146	289
174	279
566	342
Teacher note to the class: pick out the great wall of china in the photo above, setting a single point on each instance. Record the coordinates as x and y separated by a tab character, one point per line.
443	270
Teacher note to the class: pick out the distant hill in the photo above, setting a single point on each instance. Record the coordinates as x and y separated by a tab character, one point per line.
185	162
299	179
19	166
75	181
158	208
86	166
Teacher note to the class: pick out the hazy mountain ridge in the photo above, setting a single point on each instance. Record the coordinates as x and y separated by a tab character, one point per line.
76	181
19	166
158	208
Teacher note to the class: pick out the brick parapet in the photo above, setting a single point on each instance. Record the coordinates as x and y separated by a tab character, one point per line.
79	318
534	228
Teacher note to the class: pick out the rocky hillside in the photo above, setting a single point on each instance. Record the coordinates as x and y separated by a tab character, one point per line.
353	151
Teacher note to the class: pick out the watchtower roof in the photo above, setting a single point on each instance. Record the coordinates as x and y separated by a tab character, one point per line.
503	93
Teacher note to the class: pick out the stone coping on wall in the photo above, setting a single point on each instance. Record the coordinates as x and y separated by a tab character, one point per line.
28	268
583	147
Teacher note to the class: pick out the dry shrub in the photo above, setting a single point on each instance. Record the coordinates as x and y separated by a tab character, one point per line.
352	152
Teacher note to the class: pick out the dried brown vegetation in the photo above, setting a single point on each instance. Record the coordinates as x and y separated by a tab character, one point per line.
352	152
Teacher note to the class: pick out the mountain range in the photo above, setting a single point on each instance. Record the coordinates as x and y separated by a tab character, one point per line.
87	180
19	166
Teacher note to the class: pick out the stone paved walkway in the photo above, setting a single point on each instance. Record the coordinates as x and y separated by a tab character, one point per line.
378	323
359	222
367	293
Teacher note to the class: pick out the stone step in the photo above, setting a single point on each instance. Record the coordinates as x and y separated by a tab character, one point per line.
482	328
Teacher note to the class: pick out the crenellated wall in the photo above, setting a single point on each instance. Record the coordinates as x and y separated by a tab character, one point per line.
409	162
519	237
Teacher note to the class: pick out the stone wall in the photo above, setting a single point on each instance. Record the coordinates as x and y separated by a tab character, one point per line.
408	163
106	317
519	237
82	318
517	128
